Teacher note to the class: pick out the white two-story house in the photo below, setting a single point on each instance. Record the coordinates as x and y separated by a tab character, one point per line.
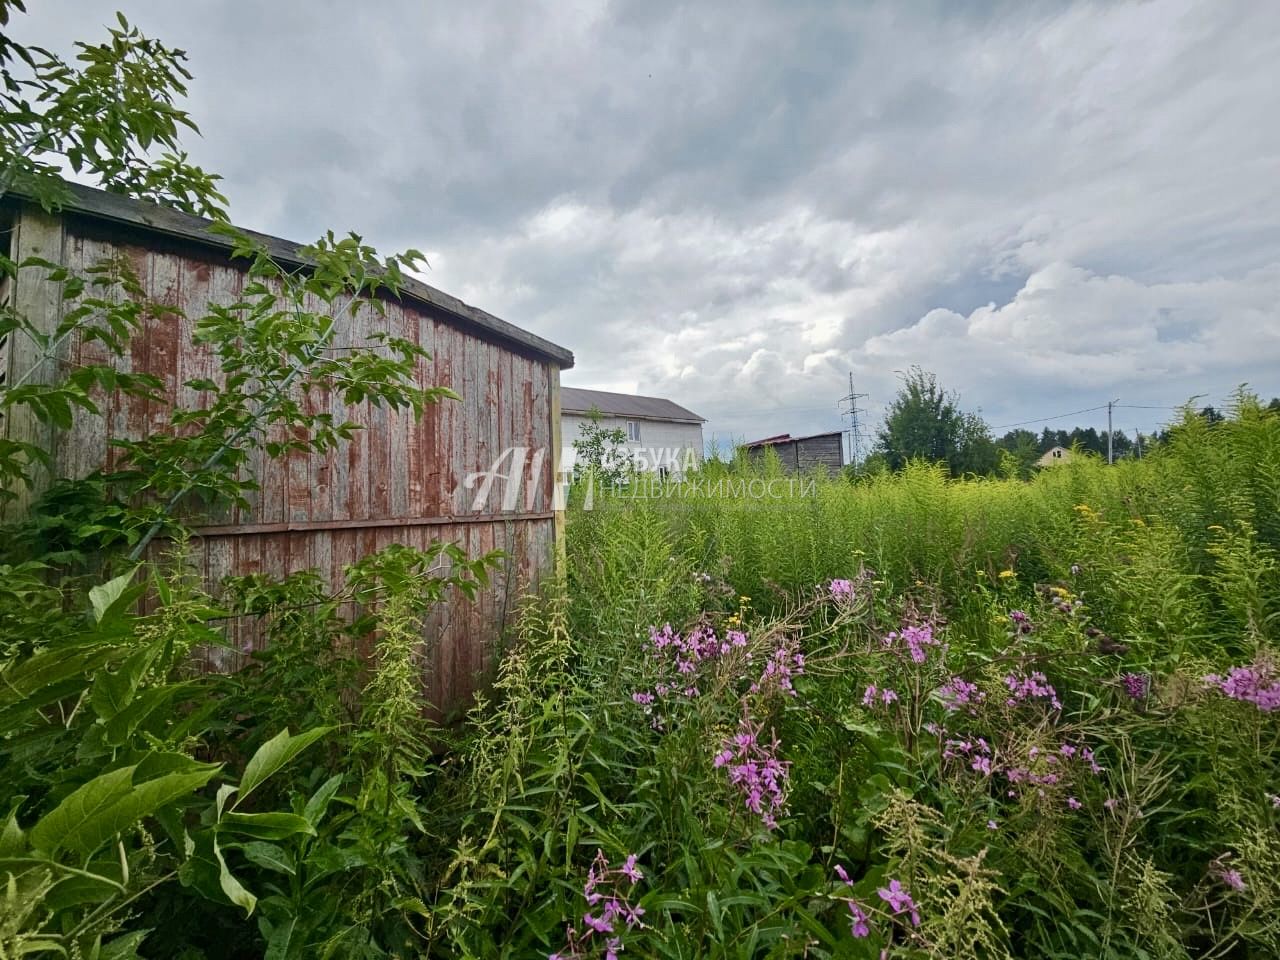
662	437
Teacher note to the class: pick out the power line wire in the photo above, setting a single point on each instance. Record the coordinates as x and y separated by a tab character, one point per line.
1060	416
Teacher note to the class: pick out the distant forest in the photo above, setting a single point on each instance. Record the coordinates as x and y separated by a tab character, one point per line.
926	422
1028	446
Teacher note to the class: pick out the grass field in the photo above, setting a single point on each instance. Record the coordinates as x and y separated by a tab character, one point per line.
902	716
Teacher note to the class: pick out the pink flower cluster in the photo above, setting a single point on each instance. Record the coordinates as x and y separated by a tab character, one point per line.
681	658
701	644
976	754
899	901
841	589
874	695
1256	684
608	891
784	663
1136	685
1041	772
958	692
896	897
1027	687
755	771
915	639
1230	877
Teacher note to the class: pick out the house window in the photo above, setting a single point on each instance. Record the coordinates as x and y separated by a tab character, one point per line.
633	431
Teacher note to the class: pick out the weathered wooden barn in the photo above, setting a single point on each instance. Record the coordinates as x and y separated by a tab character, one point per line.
399	480
802	454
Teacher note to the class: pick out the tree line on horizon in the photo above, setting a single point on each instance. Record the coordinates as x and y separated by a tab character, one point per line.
926	422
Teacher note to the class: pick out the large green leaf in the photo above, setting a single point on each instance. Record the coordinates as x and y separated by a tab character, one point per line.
281	940
111	598
79	888
12	838
106	805
143	705
320	800
83	805
234	890
273	755
113	691
269	857
265	826
49	675
124	947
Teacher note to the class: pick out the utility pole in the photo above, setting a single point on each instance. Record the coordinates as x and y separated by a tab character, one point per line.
1138	435
1110	404
855	427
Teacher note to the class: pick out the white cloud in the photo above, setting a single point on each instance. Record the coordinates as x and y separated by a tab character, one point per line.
1049	204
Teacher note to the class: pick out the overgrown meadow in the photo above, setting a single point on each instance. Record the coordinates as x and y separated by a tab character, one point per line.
904	716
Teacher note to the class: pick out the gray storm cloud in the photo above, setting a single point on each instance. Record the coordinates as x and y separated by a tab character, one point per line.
737	205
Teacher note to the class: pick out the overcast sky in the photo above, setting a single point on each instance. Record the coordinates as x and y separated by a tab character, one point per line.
735	205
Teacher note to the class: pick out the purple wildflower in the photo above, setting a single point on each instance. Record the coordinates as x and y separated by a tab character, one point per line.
1231	878
1031	686
899	901
1136	685
755	771
608	888
841	589
598	924
958	692
630	870
1256	684
784	663
859	921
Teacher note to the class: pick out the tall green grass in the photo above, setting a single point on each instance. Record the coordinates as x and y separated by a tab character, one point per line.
1147	536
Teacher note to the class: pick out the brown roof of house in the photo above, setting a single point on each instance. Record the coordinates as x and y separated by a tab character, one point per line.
788	438
576	400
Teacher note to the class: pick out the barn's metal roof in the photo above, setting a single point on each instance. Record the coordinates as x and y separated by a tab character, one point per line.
154	218
574	400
